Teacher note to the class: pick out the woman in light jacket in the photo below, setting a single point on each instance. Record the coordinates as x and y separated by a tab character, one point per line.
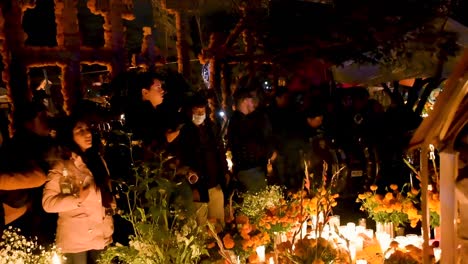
78	190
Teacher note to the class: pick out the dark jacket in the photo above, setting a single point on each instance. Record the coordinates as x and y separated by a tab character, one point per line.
143	121
250	140
200	148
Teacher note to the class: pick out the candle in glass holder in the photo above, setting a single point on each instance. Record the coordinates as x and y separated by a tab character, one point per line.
361	261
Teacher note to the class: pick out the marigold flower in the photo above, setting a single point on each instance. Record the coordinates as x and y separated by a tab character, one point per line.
388	196
373	187
211	245
228	241
394	187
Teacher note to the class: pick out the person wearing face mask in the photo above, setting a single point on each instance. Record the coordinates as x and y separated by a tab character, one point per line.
200	148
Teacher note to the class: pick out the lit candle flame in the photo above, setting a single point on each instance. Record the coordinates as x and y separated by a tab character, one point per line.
56	259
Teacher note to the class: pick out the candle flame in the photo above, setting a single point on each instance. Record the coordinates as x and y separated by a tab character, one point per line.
56	259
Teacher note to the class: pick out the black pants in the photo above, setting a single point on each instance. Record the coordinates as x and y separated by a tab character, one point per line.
87	257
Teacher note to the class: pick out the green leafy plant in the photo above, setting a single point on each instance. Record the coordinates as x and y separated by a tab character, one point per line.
162	215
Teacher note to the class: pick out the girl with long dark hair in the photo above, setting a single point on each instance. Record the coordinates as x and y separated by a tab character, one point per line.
78	190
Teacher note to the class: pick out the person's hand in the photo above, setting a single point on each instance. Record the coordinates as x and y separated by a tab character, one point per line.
172	135
273	156
269	168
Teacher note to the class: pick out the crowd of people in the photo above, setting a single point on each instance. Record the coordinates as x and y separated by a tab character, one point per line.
58	188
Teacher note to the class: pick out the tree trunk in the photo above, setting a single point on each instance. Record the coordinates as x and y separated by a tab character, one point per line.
183	53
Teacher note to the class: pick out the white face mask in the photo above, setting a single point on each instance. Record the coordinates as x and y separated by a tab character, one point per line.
198	119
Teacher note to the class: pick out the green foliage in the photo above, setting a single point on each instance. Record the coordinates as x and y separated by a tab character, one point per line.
162	215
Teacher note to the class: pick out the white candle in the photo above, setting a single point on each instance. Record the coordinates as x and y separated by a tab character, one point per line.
261	253
384	240
352	252
361	261
358	243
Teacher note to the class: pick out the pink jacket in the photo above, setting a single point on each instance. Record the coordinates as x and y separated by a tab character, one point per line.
82	225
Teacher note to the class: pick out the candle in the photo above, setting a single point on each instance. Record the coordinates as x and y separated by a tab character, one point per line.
56	259
384	240
358	243
271	260
352	252
261	253
370	233
361	261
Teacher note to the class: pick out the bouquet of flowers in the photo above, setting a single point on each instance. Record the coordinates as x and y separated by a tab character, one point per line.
394	206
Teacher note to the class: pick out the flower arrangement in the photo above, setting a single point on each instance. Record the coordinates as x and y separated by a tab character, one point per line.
252	223
15	248
317	201
163	220
394	206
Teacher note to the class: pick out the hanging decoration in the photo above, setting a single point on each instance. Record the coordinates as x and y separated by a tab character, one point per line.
205	73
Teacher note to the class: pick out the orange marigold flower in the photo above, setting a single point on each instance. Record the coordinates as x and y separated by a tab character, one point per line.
253	258
373	187
394	187
242	219
388	196
211	245
228	241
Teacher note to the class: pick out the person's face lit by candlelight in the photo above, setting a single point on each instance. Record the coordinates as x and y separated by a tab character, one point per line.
154	94
82	136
